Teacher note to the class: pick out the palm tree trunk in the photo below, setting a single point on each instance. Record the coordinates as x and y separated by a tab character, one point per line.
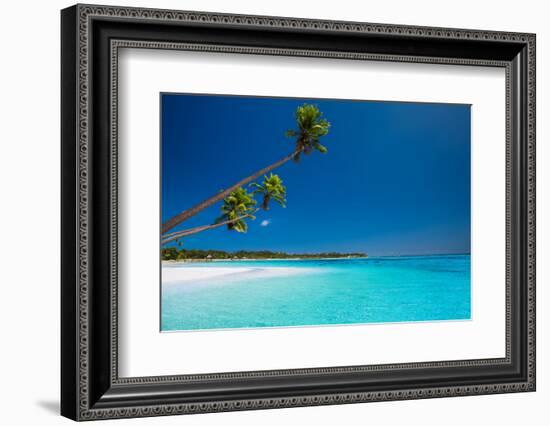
186	232
186	214
265	203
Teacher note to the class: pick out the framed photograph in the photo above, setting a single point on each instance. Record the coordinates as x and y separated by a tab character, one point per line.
263	212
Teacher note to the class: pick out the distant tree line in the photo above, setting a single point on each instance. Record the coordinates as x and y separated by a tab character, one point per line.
172	253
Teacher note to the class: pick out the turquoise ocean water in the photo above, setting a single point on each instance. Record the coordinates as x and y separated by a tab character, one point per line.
319	292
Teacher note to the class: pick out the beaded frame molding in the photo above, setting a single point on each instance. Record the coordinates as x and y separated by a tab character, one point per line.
91	39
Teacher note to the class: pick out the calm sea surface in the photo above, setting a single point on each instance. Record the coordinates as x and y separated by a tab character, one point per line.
319	292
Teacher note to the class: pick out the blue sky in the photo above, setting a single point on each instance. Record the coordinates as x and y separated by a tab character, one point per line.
396	179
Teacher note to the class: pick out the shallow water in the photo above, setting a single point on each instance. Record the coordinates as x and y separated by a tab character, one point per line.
283	293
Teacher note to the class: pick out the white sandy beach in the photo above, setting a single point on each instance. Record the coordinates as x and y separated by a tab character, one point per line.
187	274
182	274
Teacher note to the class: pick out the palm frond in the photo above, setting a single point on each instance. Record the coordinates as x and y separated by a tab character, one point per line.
311	127
321	148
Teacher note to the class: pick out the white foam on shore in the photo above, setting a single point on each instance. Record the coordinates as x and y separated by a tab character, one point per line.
181	275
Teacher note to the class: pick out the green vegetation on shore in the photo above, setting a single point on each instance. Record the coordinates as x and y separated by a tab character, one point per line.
173	253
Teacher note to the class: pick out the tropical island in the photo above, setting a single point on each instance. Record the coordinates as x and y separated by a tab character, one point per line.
239	205
267	208
173	254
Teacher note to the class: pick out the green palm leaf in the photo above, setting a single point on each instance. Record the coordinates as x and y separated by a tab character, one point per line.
311	127
272	187
237	204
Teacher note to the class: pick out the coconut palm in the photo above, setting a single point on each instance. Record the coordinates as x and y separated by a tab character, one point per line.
311	127
236	208
271	188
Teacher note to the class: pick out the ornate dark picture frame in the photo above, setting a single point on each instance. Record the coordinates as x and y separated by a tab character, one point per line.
91	37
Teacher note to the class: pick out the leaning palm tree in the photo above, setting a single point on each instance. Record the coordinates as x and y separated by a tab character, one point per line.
311	127
238	206
271	188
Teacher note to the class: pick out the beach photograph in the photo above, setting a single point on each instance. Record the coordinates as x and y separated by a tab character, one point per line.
303	212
